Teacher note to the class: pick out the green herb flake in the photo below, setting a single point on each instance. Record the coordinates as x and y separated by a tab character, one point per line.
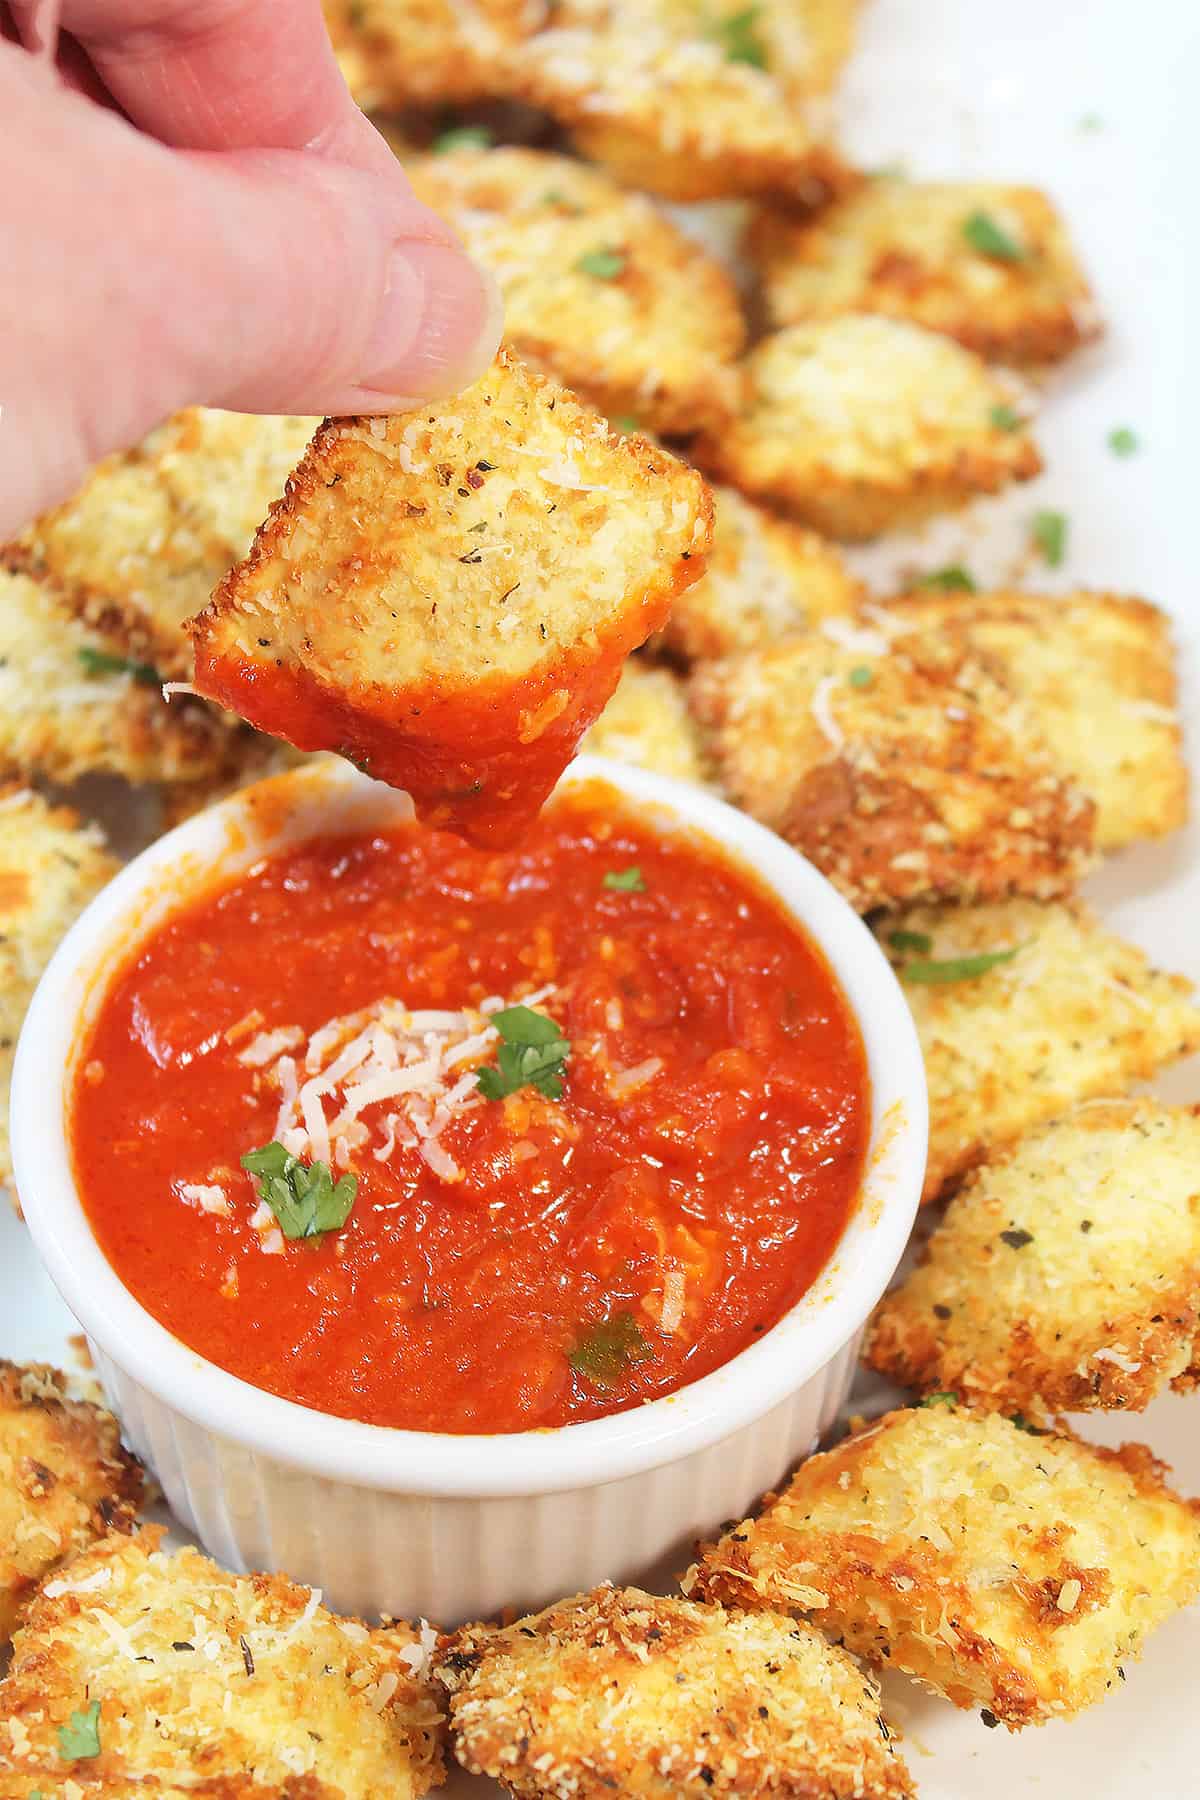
941	1399
1016	1237
860	677
604	264
303	1196
100	662
1122	441
919	942
79	1738
604	1351
1023	1424
953	579
464	137
956	968
625	881
739	37
984	234
533	1053
625	424
1050	535
1006	418
1091	122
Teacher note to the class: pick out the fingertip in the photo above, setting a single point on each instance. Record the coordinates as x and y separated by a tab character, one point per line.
438	326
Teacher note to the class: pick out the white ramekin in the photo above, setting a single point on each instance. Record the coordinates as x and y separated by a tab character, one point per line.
427	1524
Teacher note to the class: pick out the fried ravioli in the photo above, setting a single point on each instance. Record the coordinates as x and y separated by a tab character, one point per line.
600	288
394	53
990	265
648	722
200	1677
1078	659
902	769
447	597
1065	1274
618	1691
65	1480
1069	1012
858	425
1006	1569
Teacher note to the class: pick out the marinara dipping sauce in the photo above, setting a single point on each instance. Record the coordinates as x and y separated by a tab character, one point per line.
534	1135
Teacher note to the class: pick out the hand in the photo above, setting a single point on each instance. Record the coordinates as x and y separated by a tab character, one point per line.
193	211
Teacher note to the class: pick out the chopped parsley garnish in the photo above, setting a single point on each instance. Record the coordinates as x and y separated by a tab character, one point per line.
100	662
986	235
953	579
1023	1424
919	942
626	423
1016	1238
1091	122
738	36
956	968
604	264
860	677
625	881
1122	441
1050	535
302	1196
533	1053
464	137
1006	418
79	1738
941	1399
604	1351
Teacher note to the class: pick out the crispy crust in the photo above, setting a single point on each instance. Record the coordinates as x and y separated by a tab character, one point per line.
900	769
899	248
656	338
65	1480
621	1691
1001	1569
239	1681
647	722
859	424
1076	658
394	53
1078	1013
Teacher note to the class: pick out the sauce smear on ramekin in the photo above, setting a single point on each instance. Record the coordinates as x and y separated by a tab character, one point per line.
534	1135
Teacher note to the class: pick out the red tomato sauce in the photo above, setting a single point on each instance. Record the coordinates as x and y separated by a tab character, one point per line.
507	1262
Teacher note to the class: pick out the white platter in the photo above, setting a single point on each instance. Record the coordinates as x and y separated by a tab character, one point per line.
1096	102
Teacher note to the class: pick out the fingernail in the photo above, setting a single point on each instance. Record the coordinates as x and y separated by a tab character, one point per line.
439	323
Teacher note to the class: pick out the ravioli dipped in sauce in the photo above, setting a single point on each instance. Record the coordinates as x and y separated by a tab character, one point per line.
470	1141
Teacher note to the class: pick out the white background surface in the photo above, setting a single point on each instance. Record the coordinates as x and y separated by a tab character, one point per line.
1003	88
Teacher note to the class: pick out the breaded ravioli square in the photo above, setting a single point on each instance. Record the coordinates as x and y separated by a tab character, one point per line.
902	769
623	1692
860	424
1023	1011
447	597
73	704
1098	673
152	530
692	104
65	1480
50	867
396	53
600	288
648	722
1066	1273
201	1679
990	265
1006	1568
767	577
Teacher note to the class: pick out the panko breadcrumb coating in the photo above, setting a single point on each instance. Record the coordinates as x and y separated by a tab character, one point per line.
50	867
902	769
661	95
65	1480
446	597
767	577
600	288
923	251
648	722
143	543
72	703
1098	673
622	1692
858	425
1005	1568
202	1677
1065	1274
399	52
1075	1013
